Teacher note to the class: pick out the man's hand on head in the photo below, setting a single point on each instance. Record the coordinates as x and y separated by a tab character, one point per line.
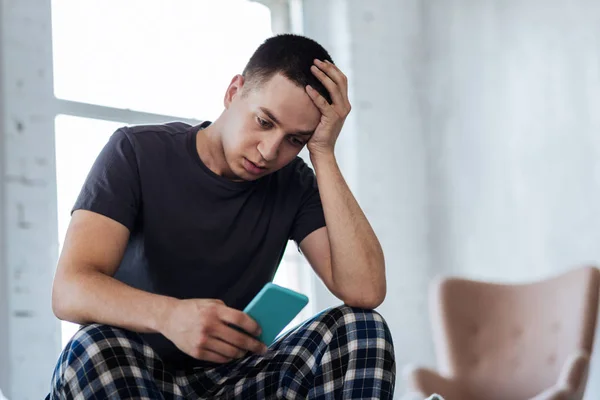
332	115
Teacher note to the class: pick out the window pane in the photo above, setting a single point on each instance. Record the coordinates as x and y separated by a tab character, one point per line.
168	57
294	273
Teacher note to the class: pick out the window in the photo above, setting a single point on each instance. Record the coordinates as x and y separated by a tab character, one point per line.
157	56
118	63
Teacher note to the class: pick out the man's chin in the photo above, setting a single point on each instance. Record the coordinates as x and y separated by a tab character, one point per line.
250	177
244	176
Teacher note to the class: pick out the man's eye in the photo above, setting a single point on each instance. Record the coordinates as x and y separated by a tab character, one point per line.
263	123
296	142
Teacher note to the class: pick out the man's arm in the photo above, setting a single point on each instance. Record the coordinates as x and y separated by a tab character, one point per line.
346	254
85	291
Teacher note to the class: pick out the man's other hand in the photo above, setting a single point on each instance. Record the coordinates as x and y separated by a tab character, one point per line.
202	329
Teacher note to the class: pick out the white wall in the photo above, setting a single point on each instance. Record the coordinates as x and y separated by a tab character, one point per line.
29	334
478	124
382	57
3	269
513	132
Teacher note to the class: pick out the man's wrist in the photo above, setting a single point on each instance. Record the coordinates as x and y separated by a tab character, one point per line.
322	157
160	315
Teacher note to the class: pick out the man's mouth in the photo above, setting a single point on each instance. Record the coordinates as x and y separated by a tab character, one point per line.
253	168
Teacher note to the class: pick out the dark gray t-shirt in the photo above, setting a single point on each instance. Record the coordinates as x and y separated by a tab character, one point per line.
195	234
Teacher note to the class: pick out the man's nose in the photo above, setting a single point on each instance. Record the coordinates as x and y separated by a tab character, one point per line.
269	147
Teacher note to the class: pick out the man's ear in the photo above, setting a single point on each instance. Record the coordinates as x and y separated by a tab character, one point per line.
234	89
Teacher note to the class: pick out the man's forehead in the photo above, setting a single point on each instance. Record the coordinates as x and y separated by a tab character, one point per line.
288	103
309	130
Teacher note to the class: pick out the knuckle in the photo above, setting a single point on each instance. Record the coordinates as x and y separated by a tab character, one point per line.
236	323
230	352
206	309
239	340
245	343
244	321
202	341
212	310
204	330
236	353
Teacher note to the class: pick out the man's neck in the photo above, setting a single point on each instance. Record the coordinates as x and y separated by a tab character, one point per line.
209	146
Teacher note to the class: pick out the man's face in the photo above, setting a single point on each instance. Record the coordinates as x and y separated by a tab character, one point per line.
266	126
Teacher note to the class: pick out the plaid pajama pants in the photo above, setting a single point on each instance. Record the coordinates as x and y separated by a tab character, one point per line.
341	353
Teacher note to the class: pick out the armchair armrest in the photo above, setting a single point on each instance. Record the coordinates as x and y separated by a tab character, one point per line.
575	371
553	393
571	381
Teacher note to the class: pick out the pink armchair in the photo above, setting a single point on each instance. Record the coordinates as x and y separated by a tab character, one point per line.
511	342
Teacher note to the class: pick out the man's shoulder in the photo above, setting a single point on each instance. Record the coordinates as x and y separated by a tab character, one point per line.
158	137
171	128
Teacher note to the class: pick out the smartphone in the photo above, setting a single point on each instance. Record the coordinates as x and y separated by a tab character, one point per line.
273	308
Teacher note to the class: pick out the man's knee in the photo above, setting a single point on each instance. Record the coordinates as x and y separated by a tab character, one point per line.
94	343
96	358
368	322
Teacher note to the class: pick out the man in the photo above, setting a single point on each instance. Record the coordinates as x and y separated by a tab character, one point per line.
178	227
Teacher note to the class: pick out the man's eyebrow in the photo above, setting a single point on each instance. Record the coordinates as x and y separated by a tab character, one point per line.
270	115
276	121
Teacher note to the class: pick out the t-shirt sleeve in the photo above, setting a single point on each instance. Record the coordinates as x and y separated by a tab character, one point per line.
309	216
112	187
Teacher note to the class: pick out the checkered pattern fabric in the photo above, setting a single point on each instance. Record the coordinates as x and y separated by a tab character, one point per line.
341	353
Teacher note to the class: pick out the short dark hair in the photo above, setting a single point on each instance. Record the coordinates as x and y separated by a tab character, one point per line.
290	55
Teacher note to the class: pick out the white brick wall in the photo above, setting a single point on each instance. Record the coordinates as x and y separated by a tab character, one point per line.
3	269
28	245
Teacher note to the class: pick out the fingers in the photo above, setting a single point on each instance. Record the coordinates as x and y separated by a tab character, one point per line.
240	319
332	87
224	349
334	80
215	341
211	356
238	339
334	73
322	104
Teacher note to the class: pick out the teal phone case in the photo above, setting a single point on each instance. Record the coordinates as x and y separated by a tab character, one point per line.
273	308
